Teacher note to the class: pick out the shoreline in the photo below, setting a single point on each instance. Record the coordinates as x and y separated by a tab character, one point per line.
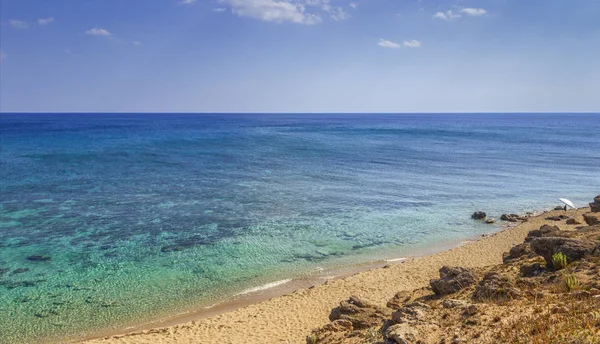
416	271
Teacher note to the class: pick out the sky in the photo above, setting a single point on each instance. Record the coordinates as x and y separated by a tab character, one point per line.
299	56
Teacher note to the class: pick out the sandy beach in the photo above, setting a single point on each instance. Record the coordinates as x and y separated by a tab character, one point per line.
289	318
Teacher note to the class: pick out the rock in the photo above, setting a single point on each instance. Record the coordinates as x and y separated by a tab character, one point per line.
450	303
595	206
401	334
517	252
574	249
339	325
554	218
452	279
545	230
19	271
39	258
511	217
573	222
399	299
496	287
478	215
360	313
490	221
412	313
591	219
531	270
558	207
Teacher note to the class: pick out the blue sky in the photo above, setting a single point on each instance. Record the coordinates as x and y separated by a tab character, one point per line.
300	55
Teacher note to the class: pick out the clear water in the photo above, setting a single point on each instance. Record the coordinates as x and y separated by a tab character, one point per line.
144	215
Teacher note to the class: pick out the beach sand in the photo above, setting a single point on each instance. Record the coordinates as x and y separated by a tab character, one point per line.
290	318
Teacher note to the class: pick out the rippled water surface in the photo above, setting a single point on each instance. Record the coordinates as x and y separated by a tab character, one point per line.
107	219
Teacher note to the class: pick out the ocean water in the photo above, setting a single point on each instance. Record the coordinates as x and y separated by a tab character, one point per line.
135	216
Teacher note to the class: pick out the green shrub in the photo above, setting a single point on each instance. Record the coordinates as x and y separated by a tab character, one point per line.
559	261
571	282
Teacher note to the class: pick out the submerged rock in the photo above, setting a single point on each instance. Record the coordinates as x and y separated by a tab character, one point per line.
39	258
452	280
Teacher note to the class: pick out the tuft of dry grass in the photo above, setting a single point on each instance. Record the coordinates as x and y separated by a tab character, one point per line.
577	323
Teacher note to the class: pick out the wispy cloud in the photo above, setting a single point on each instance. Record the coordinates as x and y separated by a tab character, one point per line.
388	44
273	11
448	15
98	32
412	44
19	24
45	21
3	55
353	5
220	9
187	2
306	12
474	11
136	43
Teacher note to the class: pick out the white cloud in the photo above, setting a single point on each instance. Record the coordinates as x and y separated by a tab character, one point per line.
97	32
3	56
136	43
353	5
388	44
45	21
412	44
474	11
187	2
277	11
307	12
220	9
18	24
448	15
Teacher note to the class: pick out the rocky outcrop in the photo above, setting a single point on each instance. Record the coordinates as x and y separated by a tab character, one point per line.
595	205
452	280
360	313
495	286
544	231
573	249
478	215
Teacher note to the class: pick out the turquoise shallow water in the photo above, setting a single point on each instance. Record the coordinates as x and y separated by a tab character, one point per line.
138	216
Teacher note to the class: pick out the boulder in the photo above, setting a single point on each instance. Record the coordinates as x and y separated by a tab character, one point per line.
496	287
591	219
360	313
511	217
518	251
452	280
559	207
399	299
339	325
573	222
574	249
401	334
490	221
478	215
595	206
545	230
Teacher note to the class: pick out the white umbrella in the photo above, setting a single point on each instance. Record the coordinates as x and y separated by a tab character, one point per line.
567	202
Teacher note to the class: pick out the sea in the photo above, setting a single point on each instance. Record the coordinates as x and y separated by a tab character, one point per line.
113	220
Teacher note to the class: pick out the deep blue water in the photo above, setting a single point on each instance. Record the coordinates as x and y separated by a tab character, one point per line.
145	214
